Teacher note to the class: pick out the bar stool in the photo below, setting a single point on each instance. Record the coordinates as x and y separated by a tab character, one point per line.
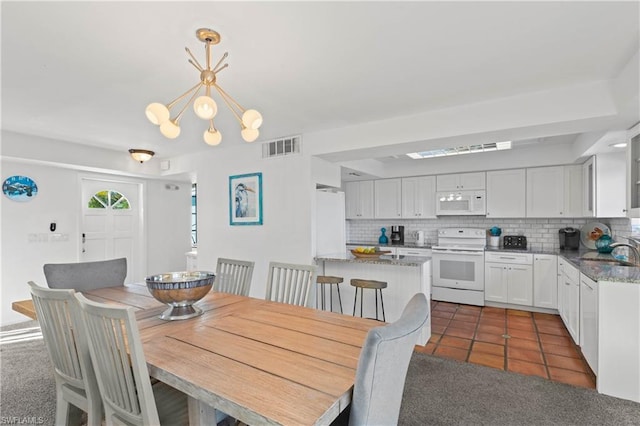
376	286
327	279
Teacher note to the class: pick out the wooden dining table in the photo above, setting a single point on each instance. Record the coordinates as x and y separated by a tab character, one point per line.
260	362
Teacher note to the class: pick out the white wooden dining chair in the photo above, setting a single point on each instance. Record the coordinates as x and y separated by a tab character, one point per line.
69	353
382	366
290	283
121	371
233	276
82	276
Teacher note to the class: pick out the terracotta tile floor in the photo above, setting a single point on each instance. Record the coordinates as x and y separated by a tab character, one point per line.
523	342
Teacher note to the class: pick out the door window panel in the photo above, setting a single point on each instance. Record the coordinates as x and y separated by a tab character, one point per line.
108	199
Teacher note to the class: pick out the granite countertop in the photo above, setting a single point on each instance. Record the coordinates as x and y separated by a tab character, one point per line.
382	260
597	266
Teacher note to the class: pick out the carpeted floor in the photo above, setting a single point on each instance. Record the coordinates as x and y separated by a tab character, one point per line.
441	391
27	386
438	391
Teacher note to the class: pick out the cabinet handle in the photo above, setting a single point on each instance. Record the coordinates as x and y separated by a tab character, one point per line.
507	257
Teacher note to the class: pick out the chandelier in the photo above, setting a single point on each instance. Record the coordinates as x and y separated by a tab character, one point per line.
204	106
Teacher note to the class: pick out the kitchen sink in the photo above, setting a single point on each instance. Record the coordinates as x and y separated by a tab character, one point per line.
613	260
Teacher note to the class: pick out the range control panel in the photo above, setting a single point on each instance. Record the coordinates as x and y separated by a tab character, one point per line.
514	241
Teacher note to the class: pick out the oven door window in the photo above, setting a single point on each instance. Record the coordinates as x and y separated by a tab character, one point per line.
458	270
461	271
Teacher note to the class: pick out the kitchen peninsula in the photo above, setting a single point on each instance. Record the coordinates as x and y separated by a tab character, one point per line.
405	276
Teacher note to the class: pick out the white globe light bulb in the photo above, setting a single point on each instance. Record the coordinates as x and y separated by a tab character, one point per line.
170	129
212	137
252	119
205	107
250	135
157	113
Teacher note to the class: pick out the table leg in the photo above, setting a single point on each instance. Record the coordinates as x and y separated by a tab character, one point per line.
200	413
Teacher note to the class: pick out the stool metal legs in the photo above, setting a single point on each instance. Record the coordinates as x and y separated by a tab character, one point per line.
322	302
355	299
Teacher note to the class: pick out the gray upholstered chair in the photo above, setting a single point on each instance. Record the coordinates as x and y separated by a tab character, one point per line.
382	367
75	380
86	275
290	283
233	276
121	371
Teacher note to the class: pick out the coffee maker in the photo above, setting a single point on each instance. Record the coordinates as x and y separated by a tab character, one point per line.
397	235
569	238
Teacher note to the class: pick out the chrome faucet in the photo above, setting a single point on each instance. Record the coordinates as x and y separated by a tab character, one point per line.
633	249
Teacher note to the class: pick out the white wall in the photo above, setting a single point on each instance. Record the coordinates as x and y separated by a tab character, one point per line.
22	260
285	235
167	214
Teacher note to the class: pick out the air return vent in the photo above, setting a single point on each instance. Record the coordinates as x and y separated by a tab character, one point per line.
284	146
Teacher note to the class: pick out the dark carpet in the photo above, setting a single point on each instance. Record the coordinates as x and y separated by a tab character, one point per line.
437	392
441	391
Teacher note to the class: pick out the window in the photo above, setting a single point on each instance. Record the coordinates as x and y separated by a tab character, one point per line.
109	199
194	215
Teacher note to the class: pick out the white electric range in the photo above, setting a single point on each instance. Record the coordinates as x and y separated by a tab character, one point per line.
458	266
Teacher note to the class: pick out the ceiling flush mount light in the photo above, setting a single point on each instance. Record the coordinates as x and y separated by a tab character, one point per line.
204	106
141	155
619	145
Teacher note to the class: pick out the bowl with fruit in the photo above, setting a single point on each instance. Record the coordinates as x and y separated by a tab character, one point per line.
368	252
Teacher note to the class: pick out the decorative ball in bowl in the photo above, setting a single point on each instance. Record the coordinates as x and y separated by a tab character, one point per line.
180	290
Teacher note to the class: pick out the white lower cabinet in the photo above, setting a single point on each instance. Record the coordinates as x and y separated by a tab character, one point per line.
569	298
508	278
589	321
545	281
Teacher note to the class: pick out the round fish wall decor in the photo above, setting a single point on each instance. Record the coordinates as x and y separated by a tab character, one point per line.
20	188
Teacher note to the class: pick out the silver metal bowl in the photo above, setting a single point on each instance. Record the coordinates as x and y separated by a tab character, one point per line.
180	290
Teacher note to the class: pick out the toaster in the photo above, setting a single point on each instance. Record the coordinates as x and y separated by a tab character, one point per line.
514	242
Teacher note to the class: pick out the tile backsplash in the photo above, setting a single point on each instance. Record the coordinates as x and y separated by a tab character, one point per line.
540	233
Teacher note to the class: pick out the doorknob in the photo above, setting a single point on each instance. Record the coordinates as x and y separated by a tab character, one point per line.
83	240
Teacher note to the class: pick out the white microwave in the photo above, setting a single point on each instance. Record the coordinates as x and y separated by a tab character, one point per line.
461	203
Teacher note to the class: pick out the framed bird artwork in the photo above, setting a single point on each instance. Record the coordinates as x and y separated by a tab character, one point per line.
245	199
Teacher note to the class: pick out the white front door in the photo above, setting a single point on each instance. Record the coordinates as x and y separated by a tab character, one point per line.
111	224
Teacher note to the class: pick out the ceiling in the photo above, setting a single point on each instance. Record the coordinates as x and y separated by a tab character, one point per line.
84	71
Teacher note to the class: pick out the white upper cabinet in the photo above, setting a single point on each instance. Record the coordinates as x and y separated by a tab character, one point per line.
418	197
545	192
611	185
589	188
359	199
633	172
573	192
461	181
388	198
506	193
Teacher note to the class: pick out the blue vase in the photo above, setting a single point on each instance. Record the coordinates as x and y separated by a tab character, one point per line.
383	238
603	244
